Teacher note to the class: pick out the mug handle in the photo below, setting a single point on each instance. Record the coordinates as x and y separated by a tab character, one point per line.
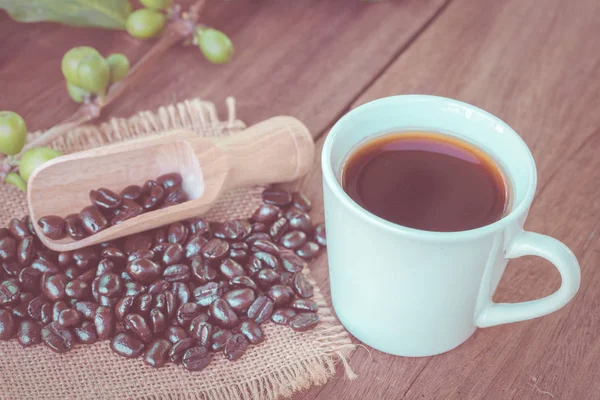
534	244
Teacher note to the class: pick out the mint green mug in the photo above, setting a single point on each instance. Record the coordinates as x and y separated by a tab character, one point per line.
417	293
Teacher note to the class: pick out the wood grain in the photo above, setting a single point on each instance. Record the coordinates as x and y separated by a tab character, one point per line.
536	68
307	59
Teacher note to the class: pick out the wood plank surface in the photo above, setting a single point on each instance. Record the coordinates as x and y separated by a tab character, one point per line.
537	68
309	59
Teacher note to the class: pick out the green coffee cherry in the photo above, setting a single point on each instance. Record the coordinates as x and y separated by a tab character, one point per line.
145	23
119	67
94	74
14	179
71	60
33	158
12	132
215	45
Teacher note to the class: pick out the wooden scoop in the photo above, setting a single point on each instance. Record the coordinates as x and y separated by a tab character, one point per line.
279	149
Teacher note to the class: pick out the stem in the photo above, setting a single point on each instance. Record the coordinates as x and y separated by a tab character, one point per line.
177	30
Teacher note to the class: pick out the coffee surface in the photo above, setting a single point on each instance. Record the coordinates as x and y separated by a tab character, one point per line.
427	181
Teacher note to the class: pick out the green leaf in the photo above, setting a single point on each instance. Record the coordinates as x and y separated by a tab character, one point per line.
110	14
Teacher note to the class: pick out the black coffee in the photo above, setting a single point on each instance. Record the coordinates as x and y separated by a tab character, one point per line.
426	181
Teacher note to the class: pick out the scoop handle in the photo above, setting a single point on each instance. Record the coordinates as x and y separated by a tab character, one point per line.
279	149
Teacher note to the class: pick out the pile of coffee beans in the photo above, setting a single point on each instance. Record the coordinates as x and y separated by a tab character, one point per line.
108	208
177	293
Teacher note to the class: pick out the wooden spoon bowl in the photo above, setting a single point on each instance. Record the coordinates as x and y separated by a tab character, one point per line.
279	149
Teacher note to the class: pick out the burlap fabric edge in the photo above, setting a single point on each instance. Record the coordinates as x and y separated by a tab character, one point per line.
287	362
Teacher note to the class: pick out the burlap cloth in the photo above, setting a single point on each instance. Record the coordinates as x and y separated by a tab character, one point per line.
286	362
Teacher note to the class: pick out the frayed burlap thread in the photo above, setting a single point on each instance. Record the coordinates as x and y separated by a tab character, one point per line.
285	363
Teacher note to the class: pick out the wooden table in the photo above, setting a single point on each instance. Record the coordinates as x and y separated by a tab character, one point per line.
536	65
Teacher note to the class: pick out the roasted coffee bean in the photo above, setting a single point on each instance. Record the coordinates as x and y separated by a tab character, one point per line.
74	227
258	236
104	322
202	271
302	287
261	309
72	272
308	251
266	214
127	345
44	253
269	260
144	270
45	266
176	273
92	220
182	292
158	287
177	233
160	302
123	307
222	313
154	198
233	230
260	227
171	304
291	262
304	321
29	224
148	185
252	331
196	321
85	258
57	308
170	180
294	240
215	249
58	338
26	250
143	304
179	348
136	255
196	358
175	195
113	253
230	268
8	248
29	333
29	279
254	265
302	305
134	288
18	229
86	333
199	226
131	192
193	246
137	325
202	332
46	313
140	242
87	308
219	338
188	312
127	210
241	282
302	202
105	198
12	267
110	285
320	235
301	222
280	294
238	251
265	246
277	197
206	294
278	229
105	266
283	316
240	299
20	309
158	321
65	258
8	325
267	277
54	287
87	276
173	254
235	347
175	334
69	317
